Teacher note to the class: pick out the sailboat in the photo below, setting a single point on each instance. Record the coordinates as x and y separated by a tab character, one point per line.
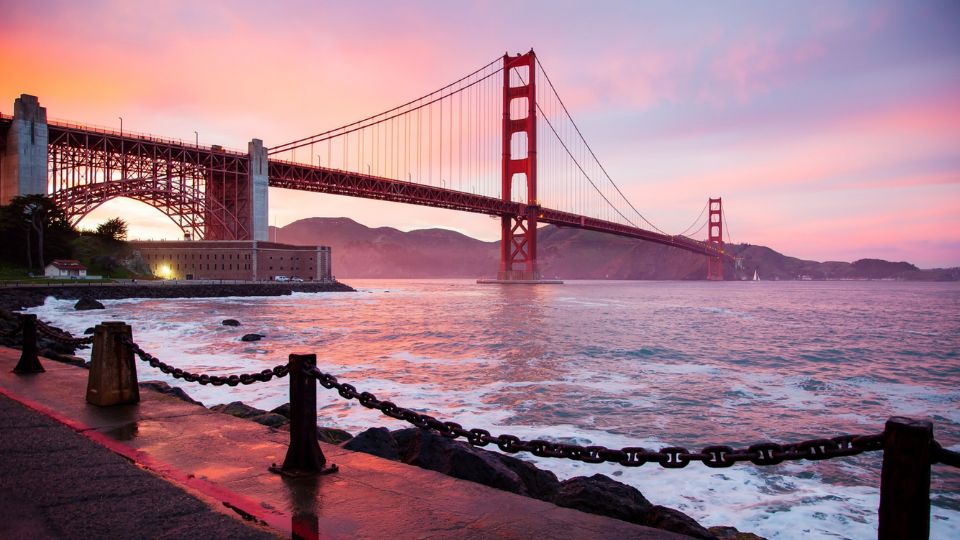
756	276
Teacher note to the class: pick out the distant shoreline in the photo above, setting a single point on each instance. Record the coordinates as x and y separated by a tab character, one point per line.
26	296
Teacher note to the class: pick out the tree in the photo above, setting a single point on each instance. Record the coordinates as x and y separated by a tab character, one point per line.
113	229
36	216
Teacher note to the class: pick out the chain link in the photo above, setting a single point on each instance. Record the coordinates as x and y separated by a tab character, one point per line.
673	457
216	380
61	336
944	456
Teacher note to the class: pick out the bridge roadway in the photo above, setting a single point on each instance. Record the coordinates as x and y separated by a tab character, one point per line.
223	461
299	176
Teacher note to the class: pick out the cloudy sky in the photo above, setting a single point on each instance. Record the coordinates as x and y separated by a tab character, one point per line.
830	128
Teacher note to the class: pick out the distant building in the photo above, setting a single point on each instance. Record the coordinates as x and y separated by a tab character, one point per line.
70	268
240	260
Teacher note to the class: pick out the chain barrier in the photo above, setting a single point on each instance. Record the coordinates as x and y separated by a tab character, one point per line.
944	456
61	336
673	457
216	380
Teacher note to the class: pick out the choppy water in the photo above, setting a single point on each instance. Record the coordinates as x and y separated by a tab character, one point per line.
618	364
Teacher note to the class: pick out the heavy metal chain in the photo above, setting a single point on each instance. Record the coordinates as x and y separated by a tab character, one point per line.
203	378
673	457
61	336
944	456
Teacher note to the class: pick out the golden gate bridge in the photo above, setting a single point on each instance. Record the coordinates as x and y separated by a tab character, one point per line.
499	141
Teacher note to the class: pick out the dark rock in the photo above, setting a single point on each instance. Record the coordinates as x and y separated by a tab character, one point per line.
282	410
376	441
251	337
238	409
333	435
52	345
164	388
731	533
64	358
88	331
604	496
540	484
676	521
270	419
428	450
230	322
86	303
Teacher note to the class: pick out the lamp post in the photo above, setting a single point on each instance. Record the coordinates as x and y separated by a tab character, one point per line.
197	140
121	125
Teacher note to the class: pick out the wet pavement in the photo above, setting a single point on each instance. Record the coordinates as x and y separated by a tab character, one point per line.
56	483
224	462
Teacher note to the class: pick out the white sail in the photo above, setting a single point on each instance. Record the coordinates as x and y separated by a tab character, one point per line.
756	277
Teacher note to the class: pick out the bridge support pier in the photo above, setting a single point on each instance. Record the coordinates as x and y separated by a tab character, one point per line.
518	234
241	195
260	201
23	165
715	238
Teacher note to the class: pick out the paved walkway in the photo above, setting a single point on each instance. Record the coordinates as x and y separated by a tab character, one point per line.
61	485
56	483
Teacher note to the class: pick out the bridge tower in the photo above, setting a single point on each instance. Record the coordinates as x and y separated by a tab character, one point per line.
518	233
715	238
23	163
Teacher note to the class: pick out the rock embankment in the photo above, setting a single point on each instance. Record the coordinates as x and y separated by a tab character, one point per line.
16	298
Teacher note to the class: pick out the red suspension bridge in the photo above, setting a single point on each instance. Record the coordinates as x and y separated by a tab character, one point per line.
481	144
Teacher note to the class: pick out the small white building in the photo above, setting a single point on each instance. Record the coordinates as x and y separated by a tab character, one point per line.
65	268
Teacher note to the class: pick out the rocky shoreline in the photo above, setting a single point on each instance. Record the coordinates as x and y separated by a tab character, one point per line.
16	298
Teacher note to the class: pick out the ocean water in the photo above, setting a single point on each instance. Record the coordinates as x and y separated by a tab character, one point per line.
618	364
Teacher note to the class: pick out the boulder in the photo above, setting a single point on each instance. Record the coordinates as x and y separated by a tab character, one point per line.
731	533
676	521
428	450
333	435
238	409
251	337
86	303
270	419
282	410
164	388
230	322
599	494
376	441
88	331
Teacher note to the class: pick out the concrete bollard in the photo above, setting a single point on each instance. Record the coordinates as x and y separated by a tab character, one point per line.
113	373
29	363
304	456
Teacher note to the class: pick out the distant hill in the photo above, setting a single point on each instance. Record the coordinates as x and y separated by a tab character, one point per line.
385	252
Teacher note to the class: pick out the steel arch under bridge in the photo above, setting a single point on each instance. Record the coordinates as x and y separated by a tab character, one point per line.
205	191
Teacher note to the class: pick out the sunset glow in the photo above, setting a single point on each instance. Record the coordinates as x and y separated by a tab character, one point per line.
830	130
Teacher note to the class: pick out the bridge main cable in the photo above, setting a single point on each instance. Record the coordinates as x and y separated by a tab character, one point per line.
381	117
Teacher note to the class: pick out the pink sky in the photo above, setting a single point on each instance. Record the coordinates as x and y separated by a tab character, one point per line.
831	130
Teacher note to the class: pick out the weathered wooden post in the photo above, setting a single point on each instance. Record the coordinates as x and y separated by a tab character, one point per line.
905	479
304	456
29	363
113	374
